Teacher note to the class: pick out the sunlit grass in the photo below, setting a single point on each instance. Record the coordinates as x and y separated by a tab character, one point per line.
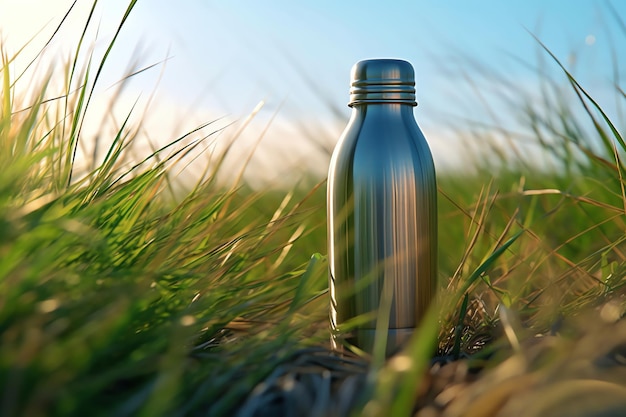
124	292
120	296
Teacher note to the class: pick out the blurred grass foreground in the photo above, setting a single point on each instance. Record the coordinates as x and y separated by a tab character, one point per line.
127	293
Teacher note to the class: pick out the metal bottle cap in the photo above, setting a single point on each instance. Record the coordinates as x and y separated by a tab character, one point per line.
382	81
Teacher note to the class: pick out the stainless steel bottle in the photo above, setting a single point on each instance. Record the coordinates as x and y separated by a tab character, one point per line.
382	211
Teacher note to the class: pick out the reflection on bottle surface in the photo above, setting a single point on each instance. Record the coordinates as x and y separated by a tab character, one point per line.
382	208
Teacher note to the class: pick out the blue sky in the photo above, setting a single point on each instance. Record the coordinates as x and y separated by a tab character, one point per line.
226	56
260	48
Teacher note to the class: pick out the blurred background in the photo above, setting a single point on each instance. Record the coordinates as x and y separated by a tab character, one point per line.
288	64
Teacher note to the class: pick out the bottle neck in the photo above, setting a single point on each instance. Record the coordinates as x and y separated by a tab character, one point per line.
383	109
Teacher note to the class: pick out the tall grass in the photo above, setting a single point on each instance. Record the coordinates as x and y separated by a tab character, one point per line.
124	294
120	297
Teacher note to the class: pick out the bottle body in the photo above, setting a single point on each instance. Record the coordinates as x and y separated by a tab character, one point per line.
382	225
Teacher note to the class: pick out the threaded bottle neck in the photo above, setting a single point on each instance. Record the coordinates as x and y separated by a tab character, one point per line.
382	81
